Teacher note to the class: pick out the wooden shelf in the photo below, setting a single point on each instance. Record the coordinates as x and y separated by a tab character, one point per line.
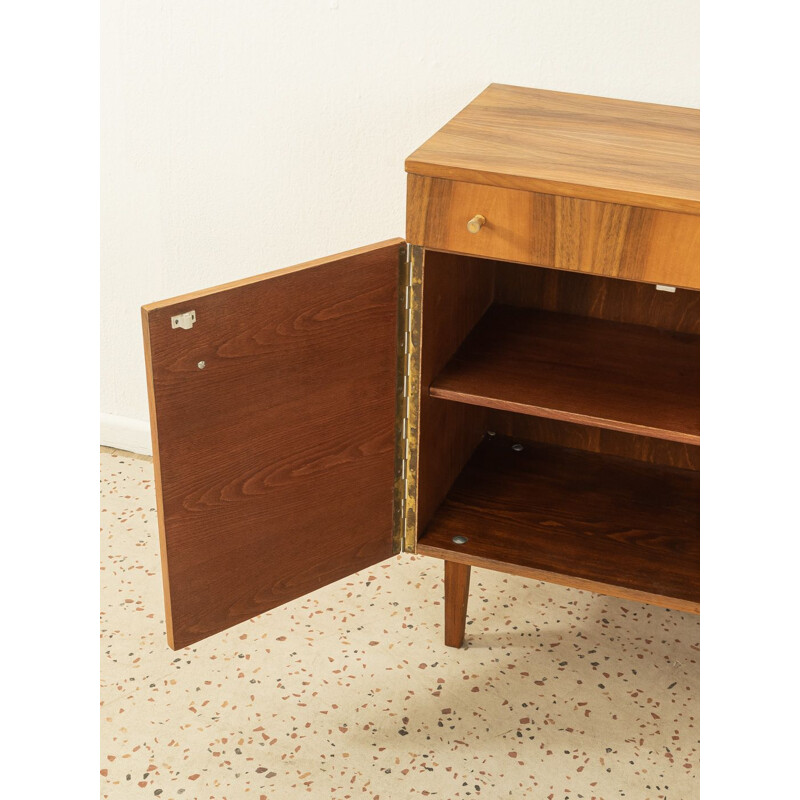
603	523
607	374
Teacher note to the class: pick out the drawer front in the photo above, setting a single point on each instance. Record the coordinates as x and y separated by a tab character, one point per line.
520	226
641	244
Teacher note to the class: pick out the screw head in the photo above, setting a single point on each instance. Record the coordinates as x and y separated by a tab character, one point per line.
201	365
460	539
491	433
518	447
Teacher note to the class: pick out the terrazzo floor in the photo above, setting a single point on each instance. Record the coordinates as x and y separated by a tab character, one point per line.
349	692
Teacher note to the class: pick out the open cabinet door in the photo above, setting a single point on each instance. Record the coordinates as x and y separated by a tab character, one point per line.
272	405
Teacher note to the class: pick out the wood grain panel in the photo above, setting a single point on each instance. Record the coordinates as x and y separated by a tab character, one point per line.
456	292
590	235
596	522
627	242
594	148
597	297
594	440
662	248
612	375
639	244
274	462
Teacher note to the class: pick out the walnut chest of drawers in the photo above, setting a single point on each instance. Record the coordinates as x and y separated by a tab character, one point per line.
513	386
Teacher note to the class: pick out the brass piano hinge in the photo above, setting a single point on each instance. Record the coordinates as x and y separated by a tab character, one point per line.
405	493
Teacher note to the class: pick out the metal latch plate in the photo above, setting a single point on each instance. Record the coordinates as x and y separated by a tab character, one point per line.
185	320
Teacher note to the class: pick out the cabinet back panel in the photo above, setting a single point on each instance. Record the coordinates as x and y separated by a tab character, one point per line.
597	297
595	440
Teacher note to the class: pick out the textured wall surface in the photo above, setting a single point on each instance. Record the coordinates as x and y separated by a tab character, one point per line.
241	136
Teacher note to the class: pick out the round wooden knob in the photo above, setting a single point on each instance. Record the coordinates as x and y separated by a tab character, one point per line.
476	223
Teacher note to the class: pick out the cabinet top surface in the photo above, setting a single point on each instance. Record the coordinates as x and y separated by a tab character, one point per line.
594	148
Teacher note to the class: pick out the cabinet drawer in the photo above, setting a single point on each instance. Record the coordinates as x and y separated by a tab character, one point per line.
641	244
520	226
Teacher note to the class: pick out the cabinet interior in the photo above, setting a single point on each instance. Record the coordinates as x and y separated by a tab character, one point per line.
559	427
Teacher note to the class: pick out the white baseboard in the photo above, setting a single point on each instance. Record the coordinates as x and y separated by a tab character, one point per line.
124	433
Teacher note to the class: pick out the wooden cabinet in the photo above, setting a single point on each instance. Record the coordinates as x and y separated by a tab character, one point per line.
516	388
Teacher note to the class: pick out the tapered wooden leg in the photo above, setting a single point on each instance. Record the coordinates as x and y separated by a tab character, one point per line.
456	594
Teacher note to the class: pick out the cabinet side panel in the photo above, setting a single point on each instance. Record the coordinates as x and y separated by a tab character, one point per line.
456	291
273	421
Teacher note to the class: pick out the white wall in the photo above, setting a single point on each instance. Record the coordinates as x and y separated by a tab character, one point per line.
240	136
